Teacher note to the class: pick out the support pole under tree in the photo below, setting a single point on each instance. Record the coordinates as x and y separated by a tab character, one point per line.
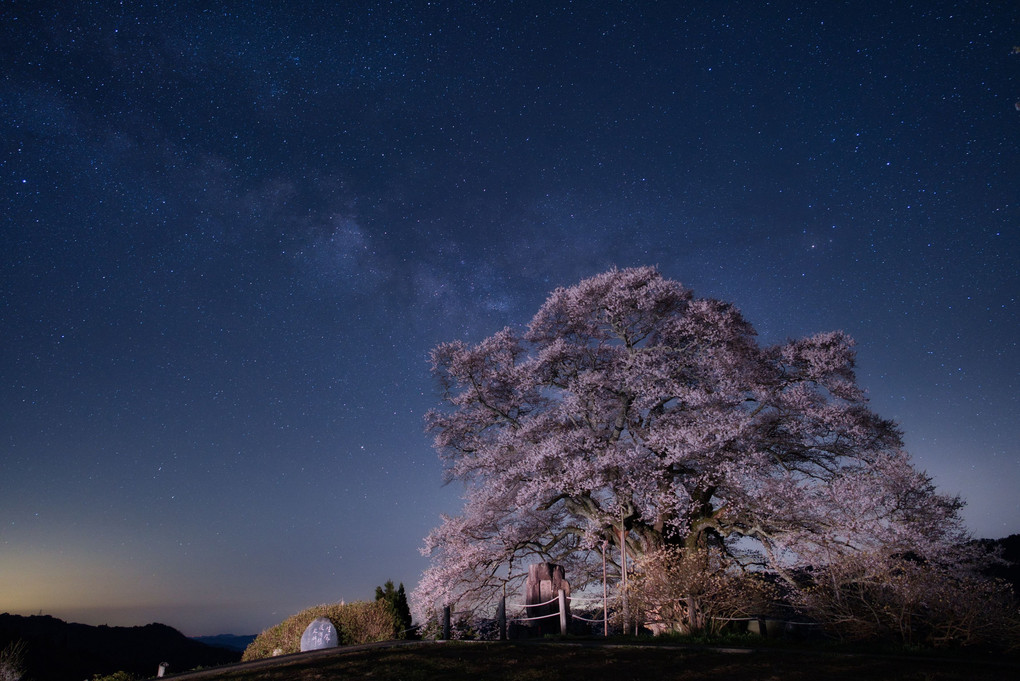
623	570
563	612
446	623
605	604
501	618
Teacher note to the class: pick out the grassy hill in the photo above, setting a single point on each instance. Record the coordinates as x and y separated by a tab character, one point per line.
593	662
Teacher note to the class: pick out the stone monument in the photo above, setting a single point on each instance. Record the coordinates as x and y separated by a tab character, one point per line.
545	581
320	634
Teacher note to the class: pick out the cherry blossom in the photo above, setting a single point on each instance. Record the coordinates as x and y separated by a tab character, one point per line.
629	410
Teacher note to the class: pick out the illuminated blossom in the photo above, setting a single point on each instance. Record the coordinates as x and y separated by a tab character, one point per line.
630	405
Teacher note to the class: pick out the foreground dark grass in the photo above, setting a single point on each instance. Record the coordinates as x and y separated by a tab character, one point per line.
590	662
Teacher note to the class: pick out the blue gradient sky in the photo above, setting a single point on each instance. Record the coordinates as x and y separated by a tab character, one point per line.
230	237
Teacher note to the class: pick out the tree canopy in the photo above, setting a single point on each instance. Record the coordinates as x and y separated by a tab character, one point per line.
630	410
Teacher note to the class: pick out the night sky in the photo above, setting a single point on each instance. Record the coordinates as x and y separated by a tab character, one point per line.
230	238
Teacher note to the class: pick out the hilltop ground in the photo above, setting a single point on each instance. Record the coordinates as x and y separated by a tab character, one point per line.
594	662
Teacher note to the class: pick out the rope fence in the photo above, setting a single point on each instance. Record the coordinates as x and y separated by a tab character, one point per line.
585	619
535	605
760	619
570	599
562	599
530	619
584	600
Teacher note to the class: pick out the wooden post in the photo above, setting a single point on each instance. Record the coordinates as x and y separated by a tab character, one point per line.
446	622
623	569
563	612
605	604
501	618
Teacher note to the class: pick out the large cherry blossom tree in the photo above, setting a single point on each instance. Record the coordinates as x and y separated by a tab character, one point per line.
631	411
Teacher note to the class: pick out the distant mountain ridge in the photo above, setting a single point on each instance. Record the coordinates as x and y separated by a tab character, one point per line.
228	641
58	651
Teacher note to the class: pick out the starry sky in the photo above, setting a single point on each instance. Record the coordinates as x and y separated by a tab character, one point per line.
231	233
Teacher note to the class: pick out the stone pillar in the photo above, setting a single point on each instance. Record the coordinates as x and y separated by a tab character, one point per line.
545	581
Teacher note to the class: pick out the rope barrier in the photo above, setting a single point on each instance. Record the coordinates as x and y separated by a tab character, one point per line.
584	600
755	619
534	605
528	619
585	619
553	600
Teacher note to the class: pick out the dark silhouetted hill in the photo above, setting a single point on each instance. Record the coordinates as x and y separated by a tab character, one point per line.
65	651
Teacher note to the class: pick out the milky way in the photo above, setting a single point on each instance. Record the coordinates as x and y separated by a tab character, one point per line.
231	236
